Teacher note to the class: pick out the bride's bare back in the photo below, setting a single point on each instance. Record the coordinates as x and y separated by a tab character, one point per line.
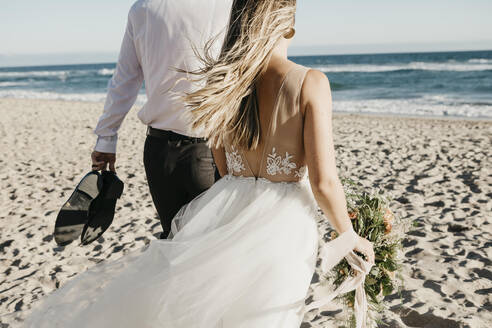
280	155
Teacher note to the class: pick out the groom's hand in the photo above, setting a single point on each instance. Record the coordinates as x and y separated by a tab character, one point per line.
100	161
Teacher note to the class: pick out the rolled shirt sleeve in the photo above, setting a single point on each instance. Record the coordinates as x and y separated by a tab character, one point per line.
123	89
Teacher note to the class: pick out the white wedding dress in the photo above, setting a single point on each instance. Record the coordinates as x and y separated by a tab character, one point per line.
240	255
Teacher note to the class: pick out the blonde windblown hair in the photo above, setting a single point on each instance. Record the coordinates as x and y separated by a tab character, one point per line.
226	107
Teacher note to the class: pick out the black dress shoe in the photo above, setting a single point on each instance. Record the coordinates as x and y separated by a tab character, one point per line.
74	213
101	210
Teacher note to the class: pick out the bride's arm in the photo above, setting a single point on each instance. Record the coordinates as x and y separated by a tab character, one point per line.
320	151
220	160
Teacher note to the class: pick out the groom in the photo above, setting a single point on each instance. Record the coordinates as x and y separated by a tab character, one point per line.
158	39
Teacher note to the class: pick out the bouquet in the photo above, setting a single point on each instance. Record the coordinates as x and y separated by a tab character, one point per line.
373	219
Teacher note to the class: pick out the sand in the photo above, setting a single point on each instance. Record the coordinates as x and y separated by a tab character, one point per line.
437	170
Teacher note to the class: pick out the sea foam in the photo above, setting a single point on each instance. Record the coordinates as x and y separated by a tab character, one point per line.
85	97
426	106
422	66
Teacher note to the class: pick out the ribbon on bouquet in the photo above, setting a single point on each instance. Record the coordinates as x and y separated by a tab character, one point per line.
331	254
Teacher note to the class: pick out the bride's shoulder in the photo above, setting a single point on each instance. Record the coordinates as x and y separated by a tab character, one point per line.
315	78
315	88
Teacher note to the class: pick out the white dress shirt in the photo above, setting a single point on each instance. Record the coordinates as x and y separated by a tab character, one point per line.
158	38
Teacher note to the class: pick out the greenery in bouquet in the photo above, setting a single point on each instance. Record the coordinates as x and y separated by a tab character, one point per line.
373	219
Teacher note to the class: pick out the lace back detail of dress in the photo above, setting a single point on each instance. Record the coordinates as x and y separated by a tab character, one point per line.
281	156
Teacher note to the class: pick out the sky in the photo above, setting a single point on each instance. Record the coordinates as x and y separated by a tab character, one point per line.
86	31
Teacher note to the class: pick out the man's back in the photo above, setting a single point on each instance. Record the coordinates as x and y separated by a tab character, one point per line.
164	31
158	39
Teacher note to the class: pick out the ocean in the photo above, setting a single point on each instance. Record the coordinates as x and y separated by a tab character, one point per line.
457	84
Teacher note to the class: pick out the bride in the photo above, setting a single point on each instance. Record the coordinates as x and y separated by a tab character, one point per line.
243	253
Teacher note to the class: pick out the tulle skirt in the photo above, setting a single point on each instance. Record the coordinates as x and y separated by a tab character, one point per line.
242	254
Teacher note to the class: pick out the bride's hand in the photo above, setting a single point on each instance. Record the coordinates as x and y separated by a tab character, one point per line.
365	247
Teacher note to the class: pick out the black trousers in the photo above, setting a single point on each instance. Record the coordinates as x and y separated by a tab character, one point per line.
177	172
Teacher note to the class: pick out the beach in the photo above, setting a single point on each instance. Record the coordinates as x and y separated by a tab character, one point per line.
438	171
